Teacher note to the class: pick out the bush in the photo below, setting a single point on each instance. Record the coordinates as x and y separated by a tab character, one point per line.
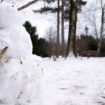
93	45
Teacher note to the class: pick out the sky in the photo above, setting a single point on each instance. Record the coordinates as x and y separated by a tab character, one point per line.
86	18
45	21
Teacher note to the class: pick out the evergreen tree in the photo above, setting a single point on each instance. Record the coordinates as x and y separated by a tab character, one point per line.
33	34
39	44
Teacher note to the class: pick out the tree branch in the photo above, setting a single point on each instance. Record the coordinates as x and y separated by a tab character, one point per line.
26	5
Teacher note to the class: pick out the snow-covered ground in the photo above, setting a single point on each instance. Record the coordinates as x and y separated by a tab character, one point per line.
26	79
74	81
35	81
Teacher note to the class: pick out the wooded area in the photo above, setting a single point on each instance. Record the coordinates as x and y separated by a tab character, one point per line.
67	11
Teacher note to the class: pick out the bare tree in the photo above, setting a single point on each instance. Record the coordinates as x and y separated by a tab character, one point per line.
51	33
58	28
102	26
99	27
62	28
92	20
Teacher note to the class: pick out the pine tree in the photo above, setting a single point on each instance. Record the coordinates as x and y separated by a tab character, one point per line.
33	34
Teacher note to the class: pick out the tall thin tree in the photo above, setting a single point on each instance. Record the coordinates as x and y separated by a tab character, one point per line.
72	29
58	28
62	27
102	26
75	6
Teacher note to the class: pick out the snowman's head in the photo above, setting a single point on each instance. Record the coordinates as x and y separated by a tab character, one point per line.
9	16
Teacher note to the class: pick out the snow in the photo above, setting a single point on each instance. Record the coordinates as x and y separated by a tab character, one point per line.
27	79
17	82
12	33
74	81
33	80
5	19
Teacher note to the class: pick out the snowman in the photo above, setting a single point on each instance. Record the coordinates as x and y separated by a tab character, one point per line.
15	42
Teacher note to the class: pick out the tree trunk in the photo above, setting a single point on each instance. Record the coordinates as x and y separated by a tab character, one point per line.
71	48
58	28
101	30
62	29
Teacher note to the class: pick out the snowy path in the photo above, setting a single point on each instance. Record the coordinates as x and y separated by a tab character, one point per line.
74	82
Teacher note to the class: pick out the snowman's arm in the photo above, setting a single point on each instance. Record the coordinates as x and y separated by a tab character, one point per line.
2	52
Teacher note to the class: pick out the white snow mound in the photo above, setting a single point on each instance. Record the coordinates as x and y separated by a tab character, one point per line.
20	81
9	16
12	33
20	73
